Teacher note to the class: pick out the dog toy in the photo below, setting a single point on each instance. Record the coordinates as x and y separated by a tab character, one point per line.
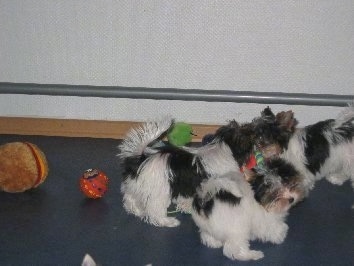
259	159
22	166
256	160
180	134
94	183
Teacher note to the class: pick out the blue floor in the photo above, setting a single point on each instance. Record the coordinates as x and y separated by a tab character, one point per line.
56	225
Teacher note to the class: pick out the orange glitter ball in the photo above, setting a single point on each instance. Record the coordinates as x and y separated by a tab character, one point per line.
94	183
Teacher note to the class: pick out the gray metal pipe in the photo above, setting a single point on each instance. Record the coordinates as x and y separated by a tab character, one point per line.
176	94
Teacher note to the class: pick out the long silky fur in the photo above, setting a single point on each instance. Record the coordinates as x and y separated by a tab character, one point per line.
324	149
156	175
231	222
140	138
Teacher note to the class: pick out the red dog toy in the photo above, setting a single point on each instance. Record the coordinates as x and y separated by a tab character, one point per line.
94	183
250	164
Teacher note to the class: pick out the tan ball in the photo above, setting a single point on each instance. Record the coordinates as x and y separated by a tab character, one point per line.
22	166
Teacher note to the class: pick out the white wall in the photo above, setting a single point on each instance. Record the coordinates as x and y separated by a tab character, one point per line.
287	46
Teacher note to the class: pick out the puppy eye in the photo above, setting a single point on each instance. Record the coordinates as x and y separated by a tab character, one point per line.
293	186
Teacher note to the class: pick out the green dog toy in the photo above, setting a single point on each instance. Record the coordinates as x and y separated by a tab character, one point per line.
180	134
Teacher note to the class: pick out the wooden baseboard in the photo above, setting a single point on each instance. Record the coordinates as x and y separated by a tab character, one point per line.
81	128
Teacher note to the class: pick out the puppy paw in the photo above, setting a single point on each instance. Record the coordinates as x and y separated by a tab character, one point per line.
336	179
254	255
243	254
131	206
279	235
210	241
166	222
185	206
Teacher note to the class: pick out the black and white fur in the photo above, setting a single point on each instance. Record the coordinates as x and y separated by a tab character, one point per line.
231	211
324	149
156	175
228	216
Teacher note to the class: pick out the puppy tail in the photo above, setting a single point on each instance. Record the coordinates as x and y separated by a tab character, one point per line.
139	140
346	115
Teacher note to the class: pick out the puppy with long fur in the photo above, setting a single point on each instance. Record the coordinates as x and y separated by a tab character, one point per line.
324	149
230	211
156	175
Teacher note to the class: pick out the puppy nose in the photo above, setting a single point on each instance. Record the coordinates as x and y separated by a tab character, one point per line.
291	200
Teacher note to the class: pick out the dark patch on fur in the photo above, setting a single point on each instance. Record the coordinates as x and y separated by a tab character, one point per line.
259	187
283	169
187	171
317	146
268	130
239	138
227	197
200	205
207	204
263	130
278	167
131	166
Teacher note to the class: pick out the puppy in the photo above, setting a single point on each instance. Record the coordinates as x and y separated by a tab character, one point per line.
273	132
156	173
278	186
324	149
230	211
88	261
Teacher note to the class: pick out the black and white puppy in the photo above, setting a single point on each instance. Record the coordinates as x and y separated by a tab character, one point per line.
230	212
324	149
156	175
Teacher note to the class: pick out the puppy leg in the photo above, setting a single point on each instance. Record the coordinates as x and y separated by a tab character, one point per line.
239	250
337	179
183	204
158	218
131	206
276	233
152	207
164	221
209	240
156	211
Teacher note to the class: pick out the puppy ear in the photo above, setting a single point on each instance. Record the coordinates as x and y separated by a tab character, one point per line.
227	131
267	113
234	124
287	120
249	175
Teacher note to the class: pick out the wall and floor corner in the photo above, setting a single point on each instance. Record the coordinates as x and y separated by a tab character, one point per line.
110	129
212	48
